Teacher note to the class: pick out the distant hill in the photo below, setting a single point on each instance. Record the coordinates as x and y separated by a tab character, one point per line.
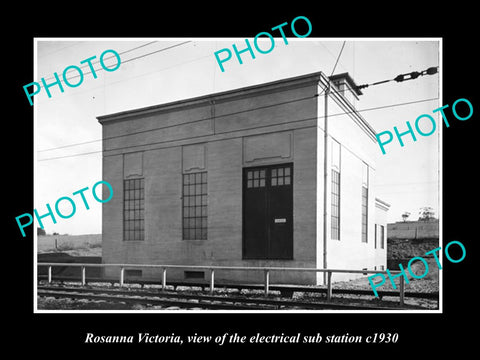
90	244
413	229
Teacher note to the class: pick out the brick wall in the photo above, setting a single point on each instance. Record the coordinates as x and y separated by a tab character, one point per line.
222	134
232	142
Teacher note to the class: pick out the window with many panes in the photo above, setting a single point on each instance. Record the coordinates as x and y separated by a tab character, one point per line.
335	228
133	209
280	176
364	213
256	178
379	236
364	202
267	212
382	237
335	191
195	206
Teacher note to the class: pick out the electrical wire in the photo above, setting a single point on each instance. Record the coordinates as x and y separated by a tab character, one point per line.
204	119
61	49
329	88
251	128
111	57
122	61
189	122
403	77
217	133
338	58
216	117
79	92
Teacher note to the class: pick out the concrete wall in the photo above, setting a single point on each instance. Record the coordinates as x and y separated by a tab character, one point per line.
381	254
269	124
356	148
226	144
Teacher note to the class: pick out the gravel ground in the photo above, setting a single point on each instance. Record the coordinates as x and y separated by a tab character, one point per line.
362	283
429	283
414	285
79	304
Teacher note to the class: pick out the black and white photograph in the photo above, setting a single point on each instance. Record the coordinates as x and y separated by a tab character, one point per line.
274	187
245	188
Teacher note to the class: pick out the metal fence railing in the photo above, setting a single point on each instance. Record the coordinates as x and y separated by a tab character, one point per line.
212	269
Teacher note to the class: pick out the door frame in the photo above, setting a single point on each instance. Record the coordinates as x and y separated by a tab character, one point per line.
267	185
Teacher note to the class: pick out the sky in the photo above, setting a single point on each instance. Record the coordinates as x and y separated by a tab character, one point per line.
153	71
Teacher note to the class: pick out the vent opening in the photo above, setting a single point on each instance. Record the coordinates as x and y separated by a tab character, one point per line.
194	274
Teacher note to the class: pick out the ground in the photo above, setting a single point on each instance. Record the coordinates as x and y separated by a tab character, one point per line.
399	252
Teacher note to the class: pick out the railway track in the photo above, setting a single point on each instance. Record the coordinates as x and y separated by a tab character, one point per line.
193	301
284	289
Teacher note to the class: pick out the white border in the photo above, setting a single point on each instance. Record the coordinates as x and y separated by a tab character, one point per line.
440	144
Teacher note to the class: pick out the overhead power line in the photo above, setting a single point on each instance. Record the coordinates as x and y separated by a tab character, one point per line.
334	67
124	61
403	77
130	78
200	119
107	58
338	58
209	118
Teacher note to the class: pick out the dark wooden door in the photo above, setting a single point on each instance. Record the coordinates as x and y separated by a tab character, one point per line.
268	212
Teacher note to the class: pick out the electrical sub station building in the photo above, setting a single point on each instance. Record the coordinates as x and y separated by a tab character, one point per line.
247	177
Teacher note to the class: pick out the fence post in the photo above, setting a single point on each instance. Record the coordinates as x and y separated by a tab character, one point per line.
50	274
164	278
402	291
83	276
329	285
267	281
122	273
212	277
